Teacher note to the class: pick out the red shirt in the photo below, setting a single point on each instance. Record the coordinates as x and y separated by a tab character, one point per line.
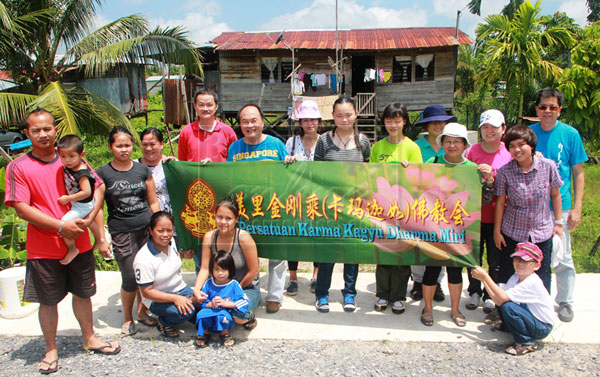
195	144
40	184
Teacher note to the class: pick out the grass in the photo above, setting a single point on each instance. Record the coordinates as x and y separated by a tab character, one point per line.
588	231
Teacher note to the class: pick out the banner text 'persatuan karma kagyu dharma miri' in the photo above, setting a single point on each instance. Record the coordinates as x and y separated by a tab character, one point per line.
336	211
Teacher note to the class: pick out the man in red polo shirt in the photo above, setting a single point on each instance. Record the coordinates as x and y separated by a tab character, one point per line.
207	138
34	182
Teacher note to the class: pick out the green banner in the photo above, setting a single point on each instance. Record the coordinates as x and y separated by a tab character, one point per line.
336	211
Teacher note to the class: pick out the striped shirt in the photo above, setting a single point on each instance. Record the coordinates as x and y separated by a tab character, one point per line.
527	214
326	150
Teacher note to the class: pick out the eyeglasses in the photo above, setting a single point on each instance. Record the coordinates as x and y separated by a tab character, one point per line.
551	107
453	142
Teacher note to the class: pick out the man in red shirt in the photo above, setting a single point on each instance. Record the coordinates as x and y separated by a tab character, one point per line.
207	138
34	182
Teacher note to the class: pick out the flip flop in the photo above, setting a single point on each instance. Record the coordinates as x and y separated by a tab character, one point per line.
100	350
50	368
131	330
426	318
148	321
459	320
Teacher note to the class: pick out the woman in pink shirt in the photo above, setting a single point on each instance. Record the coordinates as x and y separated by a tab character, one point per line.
490	154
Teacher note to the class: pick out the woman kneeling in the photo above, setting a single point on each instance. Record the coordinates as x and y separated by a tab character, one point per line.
157	272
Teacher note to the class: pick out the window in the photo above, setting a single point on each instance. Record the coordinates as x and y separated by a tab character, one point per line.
402	69
269	71
275	70
424	67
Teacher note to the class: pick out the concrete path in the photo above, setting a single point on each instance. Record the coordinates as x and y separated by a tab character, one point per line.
298	318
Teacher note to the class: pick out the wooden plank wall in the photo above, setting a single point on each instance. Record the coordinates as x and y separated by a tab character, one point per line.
241	83
416	95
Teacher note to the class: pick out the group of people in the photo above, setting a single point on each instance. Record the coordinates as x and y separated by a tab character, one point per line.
526	175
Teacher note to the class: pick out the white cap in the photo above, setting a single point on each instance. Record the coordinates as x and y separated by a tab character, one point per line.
493	117
454	130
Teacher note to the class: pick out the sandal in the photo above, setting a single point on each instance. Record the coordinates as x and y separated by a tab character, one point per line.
168	331
426	318
521	349
129	330
227	340
52	366
251	324
459	320
101	350
148	321
202	340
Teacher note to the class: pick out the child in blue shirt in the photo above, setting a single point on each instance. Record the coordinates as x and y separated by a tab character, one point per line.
224	294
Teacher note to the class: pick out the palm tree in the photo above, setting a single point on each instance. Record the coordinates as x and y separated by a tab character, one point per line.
32	32
514	49
508	10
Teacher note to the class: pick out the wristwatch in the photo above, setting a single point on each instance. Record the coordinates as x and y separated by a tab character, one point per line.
559	222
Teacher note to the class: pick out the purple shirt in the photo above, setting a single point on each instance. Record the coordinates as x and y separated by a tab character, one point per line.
527	214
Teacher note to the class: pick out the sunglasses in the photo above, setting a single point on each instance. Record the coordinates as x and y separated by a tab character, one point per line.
551	107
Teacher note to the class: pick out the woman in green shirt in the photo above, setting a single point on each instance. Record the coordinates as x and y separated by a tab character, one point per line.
392	281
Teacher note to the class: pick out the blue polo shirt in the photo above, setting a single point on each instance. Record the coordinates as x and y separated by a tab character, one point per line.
563	145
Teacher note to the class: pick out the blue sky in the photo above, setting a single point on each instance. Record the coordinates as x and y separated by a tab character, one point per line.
205	19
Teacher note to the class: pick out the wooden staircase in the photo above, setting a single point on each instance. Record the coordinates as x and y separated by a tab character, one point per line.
366	104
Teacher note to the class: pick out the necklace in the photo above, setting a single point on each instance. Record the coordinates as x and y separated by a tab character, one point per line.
344	143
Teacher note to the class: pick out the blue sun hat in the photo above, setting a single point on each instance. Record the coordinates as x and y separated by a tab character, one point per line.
435	113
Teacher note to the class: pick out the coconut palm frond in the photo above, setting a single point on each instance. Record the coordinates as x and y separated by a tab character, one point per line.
54	99
74	19
168	46
13	108
97	113
475	7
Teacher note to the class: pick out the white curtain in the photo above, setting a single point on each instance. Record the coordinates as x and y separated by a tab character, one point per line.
424	60
271	64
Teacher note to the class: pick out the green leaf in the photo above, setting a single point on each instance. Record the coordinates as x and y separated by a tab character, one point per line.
4	254
22	255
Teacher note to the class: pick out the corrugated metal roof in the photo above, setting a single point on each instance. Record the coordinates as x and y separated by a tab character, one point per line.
360	39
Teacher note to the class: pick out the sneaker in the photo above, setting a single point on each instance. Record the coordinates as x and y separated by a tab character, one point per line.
349	304
416	293
473	302
381	305
439	294
313	285
398	307
292	289
565	312
273	306
322	304
488	306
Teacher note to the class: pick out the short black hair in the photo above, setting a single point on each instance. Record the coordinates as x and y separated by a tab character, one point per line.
70	141
262	115
394	110
224	260
36	111
521	132
549	93
159	215
203	91
152	131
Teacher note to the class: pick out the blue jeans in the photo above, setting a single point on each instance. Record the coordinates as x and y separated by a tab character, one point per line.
324	279
253	294
197	260
167	312
522	324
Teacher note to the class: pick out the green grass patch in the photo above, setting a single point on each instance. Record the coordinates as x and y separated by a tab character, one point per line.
588	231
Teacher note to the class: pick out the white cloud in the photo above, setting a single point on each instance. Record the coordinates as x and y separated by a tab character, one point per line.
449	7
577	10
201	27
321	15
